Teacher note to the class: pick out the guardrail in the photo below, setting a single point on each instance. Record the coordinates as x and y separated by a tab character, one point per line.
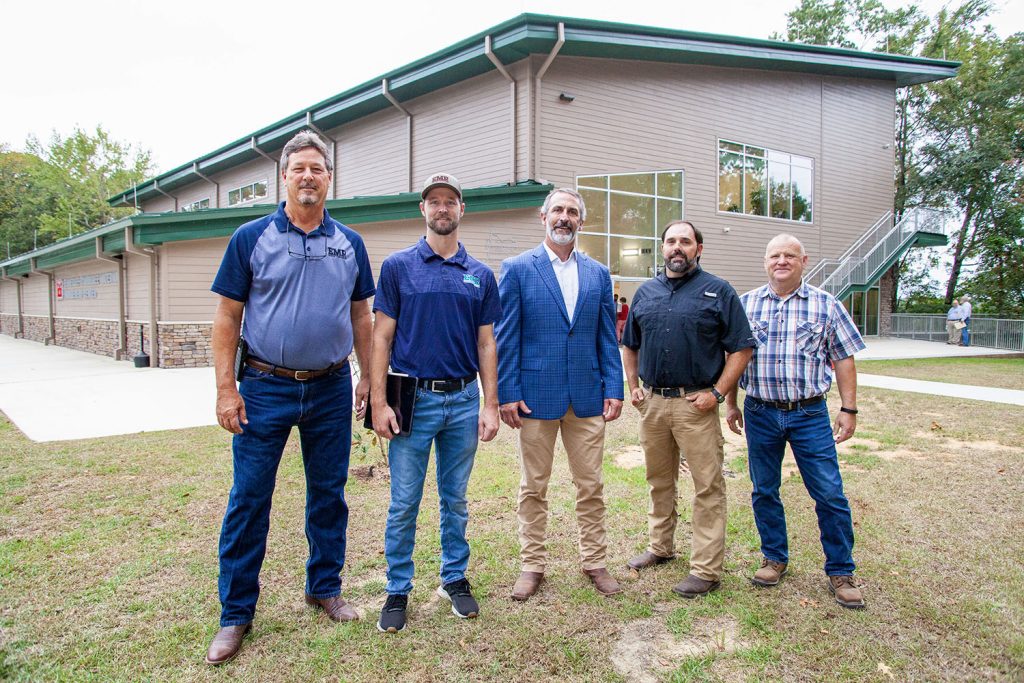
995	333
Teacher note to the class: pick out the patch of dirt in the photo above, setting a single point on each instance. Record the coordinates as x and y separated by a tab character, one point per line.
864	445
368	472
905	453
646	650
629	457
956	445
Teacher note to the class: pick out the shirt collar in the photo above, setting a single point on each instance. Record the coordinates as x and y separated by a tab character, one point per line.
675	282
802	291
282	223
552	256
427	254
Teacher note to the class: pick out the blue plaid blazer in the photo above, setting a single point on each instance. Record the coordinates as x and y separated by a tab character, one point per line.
542	359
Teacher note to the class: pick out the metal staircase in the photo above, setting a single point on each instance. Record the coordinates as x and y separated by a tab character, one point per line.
867	259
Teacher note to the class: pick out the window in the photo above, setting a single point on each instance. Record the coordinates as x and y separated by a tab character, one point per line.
248	193
763	182
625	215
197	205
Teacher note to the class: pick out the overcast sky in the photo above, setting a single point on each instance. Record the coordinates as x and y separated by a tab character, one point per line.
184	78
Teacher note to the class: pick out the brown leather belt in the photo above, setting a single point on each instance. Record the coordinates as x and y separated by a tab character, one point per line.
675	392
298	375
790	405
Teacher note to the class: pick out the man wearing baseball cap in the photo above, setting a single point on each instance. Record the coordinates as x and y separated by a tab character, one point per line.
435	312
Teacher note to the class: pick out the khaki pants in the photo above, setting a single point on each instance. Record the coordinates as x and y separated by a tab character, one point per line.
668	426
583	438
954	334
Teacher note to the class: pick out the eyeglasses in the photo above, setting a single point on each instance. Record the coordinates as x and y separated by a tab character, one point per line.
306	247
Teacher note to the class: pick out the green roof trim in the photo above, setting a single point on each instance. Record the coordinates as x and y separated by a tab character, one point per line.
528	34
161	228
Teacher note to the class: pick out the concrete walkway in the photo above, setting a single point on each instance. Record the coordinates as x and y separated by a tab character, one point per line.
56	394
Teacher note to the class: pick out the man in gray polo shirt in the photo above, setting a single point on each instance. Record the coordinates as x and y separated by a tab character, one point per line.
302	280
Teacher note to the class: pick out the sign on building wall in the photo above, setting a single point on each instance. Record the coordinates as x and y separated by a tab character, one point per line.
83	286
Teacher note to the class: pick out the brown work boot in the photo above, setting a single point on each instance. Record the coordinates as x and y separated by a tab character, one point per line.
770	573
604	582
336	608
847	593
526	585
226	644
648	559
694	586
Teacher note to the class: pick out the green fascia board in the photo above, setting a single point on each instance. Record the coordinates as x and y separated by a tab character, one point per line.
75	252
528	34
72	249
22	268
929	239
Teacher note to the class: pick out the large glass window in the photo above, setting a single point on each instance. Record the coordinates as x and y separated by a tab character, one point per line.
625	215
764	182
197	205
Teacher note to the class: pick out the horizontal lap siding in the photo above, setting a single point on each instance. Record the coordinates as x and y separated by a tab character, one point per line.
187	271
103	306
8	298
137	292
630	116
245	174
35	295
372	155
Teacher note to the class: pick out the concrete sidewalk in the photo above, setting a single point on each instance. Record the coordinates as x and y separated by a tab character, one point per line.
56	394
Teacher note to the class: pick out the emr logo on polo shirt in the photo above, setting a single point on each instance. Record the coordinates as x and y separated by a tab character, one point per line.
337	253
471	279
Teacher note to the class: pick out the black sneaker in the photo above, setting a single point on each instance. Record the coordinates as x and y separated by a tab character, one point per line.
392	616
463	604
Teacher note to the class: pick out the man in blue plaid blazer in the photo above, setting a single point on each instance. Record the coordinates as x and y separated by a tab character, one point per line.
559	370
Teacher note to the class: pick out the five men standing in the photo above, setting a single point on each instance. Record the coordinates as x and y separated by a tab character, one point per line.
559	371
682	324
435	312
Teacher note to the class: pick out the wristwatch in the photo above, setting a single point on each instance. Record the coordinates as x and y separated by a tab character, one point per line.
718	396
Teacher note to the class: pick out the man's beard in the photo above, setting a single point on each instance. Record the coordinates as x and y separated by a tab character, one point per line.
435	225
685	266
559	237
307	199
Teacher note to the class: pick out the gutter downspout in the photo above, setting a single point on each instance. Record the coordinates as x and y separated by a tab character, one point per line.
130	248
535	170
122	348
512	105
156	186
17	297
216	185
408	129
277	168
334	151
52	339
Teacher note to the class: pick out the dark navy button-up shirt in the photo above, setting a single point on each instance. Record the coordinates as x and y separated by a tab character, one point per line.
438	305
683	327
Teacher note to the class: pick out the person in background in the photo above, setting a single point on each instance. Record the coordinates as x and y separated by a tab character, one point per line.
620	323
965	313
952	317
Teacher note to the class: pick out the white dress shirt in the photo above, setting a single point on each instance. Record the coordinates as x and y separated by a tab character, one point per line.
568	276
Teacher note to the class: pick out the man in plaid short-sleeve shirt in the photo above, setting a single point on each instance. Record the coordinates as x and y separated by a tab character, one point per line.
804	336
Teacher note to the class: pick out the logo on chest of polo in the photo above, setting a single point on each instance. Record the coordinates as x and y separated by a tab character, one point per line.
471	279
337	253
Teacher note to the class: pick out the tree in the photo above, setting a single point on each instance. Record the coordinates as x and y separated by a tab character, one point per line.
60	189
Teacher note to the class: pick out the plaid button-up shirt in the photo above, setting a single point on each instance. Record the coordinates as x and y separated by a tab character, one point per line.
798	338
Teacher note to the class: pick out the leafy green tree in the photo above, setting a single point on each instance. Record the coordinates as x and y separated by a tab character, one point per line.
24	197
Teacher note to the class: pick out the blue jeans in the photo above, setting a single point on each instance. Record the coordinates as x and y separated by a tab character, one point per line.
809	432
449	422
322	410
965	334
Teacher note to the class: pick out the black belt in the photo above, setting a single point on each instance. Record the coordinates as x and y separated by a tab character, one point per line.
790	405
443	386
675	392
299	375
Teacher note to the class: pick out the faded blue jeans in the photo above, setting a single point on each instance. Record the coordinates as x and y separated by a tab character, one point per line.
322	410
809	432
447	421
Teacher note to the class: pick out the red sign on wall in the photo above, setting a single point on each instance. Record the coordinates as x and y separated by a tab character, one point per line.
60	289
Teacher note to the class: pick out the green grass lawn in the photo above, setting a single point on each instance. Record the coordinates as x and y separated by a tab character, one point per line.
108	568
1003	373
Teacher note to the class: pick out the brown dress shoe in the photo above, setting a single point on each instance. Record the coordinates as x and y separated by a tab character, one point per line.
336	608
526	585
694	586
847	593
770	573
226	644
604	582
648	559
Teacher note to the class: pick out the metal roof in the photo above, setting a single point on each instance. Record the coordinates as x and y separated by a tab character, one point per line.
528	34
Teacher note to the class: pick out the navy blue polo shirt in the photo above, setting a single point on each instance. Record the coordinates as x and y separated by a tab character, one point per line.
439	305
683	327
297	288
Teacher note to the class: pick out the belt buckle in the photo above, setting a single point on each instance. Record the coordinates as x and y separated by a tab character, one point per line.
303	375
433	386
792	405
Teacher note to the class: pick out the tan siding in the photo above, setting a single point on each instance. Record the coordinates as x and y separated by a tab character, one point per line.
250	172
8	298
372	156
35	295
187	270
522	71
630	116
104	306
197	191
159	204
137	281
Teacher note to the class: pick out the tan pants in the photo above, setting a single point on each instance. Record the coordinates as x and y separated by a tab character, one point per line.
668	426
954	334
583	438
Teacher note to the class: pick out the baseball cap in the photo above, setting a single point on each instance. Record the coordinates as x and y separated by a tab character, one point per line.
441	180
